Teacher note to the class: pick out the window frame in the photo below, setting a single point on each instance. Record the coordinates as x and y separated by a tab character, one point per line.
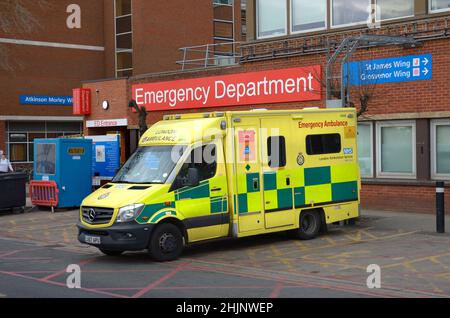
29	143
433	148
396	123
332	26
324	153
282	162
391	19
116	50
431	11
372	174
291	25
286	27
171	179
56	154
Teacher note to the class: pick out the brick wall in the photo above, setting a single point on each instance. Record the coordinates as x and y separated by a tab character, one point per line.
402	198
42	70
116	93
157	37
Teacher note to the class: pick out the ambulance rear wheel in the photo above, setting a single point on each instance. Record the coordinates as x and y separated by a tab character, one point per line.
309	225
166	243
111	253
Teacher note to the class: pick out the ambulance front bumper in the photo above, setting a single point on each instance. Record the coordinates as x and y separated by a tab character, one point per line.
118	237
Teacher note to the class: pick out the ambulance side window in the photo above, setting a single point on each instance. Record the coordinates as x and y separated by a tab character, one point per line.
323	144
204	159
276	151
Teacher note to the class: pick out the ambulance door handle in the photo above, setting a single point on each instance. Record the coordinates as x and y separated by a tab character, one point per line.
288	181
255	184
216	189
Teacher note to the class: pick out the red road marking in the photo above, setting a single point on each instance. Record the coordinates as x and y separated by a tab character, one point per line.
276	291
159	281
63	271
9	253
300	284
63	285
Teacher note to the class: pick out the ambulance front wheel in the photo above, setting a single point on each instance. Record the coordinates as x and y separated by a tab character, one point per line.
166	243
309	225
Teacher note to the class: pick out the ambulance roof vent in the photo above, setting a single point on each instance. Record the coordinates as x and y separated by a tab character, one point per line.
220	114
166	117
178	116
206	115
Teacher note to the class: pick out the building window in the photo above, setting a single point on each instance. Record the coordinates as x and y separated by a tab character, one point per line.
227	2
308	15
276	151
394	9
224	47
323	144
439	5
365	149
440	149
123	38
396	149
271	18
21	136
345	12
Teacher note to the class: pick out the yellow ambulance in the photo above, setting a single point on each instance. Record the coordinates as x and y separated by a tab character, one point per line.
206	176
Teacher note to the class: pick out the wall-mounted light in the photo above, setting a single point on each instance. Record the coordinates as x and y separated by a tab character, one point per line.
105	104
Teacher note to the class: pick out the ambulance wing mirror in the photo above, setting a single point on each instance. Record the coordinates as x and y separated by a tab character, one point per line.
193	177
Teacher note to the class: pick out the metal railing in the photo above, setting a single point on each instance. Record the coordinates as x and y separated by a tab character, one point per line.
231	53
210	55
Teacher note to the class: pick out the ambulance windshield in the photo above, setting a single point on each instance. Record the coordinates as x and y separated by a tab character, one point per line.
150	164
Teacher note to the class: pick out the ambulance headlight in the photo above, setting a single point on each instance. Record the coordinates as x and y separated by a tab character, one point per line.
129	212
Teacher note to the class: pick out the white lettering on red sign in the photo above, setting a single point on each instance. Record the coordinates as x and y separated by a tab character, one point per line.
285	85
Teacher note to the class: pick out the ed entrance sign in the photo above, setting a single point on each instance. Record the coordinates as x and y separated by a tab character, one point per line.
285	85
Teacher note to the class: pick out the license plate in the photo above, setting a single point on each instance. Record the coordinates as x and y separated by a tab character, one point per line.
92	239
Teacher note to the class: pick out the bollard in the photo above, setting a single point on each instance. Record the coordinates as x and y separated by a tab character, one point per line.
440	207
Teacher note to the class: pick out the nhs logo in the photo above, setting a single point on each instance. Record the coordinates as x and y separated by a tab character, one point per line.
348	151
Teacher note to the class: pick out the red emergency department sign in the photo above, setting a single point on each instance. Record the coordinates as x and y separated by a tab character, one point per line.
81	101
276	86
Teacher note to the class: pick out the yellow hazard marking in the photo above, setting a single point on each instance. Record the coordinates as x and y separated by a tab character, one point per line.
275	250
330	240
426	258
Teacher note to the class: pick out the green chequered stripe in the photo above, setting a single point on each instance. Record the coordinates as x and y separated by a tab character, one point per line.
252	179
200	191
151	209
284	197
242	204
320	185
162	214
270	181
316	176
345	191
219	204
299	196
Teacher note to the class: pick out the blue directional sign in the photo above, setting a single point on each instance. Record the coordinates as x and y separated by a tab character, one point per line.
45	100
390	70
